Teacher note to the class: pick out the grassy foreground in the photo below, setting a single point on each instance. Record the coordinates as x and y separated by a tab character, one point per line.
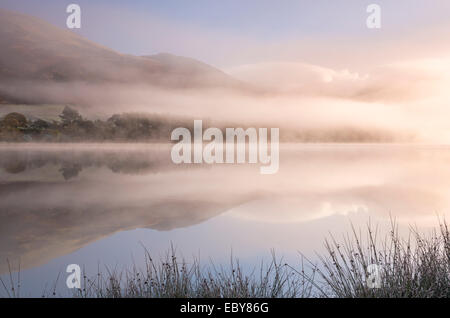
361	265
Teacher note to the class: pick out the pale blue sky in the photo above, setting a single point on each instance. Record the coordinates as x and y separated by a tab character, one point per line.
206	29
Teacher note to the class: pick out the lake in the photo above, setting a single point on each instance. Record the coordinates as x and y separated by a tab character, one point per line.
100	204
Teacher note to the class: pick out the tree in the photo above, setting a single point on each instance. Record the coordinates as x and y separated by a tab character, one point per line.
14	120
11	126
70	116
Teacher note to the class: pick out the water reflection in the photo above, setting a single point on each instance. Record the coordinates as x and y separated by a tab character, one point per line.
55	199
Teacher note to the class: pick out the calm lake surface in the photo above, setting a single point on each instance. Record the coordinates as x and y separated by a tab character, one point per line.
97	205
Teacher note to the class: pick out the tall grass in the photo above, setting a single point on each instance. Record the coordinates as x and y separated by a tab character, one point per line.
174	277
416	266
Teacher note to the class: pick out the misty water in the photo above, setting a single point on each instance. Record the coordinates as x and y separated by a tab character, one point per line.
99	204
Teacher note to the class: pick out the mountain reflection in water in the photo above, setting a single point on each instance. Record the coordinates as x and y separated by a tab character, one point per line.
55	199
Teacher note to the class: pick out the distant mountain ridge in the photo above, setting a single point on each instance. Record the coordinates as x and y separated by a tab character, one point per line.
34	50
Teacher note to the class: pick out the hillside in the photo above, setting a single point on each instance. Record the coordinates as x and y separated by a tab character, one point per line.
34	50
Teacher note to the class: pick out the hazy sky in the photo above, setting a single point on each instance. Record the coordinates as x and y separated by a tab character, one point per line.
233	32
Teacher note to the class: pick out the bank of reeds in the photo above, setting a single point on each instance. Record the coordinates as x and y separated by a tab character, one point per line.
361	264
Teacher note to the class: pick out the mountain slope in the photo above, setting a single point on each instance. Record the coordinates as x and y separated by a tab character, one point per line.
34	50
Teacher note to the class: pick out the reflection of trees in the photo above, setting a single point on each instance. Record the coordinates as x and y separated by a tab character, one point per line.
42	218
15	167
71	163
70	170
